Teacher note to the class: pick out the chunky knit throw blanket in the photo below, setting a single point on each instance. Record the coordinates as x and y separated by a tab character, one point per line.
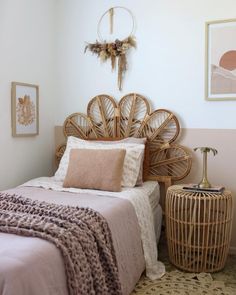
81	234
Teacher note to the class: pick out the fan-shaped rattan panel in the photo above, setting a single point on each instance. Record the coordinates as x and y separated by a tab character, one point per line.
161	127
59	152
134	108
171	160
79	125
132	118
102	110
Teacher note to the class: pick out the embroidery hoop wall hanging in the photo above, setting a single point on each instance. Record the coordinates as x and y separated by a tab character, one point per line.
115	51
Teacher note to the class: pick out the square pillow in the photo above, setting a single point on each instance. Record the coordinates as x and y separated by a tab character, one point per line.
138	141
132	163
130	140
95	169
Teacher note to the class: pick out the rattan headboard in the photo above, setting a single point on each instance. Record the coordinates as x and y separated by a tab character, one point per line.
132	117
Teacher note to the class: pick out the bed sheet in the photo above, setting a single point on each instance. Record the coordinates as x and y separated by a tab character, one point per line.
40	261
153	194
138	197
157	217
32	266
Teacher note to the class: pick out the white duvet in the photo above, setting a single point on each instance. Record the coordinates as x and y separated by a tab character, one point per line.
138	196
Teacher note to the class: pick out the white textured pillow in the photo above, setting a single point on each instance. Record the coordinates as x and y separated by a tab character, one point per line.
129	140
133	158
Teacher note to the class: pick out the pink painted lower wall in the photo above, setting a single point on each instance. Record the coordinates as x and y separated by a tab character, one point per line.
221	168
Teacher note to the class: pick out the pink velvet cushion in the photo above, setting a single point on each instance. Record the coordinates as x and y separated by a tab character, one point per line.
95	169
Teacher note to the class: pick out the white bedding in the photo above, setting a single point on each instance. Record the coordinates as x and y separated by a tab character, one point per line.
154	194
157	215
138	196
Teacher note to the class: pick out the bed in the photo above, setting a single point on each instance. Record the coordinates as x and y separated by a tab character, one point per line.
32	265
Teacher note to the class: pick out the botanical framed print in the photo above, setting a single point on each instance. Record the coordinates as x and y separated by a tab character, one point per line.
220	81
25	109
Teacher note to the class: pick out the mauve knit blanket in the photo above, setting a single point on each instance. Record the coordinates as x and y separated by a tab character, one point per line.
81	234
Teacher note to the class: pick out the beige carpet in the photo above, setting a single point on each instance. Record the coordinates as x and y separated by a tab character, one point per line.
178	282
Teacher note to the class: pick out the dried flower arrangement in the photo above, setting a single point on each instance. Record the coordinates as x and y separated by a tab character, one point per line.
115	51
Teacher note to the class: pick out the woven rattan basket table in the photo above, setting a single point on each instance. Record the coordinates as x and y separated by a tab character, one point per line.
198	228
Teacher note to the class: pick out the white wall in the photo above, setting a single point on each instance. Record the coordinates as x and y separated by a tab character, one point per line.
27	40
167	67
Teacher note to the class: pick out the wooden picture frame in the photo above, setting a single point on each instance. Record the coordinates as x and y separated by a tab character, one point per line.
24	109
220	67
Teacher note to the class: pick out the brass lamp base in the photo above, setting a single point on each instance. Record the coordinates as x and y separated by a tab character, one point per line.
204	184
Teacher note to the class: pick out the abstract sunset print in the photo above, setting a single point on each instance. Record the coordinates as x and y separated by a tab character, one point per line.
223	59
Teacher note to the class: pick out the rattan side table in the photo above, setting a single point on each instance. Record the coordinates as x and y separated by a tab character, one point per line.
198	228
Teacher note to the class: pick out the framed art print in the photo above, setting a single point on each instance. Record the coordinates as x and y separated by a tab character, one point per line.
221	60
25	109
